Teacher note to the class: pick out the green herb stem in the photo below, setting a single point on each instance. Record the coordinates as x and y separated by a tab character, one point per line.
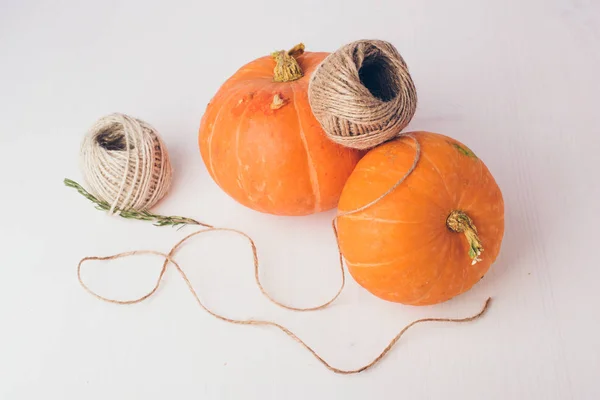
159	220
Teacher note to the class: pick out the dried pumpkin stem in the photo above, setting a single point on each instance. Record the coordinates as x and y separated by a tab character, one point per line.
287	68
460	222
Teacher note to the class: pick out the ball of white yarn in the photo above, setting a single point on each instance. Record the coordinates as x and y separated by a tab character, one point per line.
125	163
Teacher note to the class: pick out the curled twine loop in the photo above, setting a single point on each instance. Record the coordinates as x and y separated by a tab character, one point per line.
125	163
362	94
168	258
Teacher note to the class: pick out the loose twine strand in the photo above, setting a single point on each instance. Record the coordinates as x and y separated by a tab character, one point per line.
168	258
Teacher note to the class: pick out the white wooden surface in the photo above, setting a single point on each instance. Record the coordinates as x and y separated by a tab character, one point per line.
516	80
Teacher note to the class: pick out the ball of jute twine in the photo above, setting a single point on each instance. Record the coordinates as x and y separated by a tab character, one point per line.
125	163
362	94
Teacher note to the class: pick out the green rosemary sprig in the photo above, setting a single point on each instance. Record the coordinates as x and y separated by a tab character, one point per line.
159	220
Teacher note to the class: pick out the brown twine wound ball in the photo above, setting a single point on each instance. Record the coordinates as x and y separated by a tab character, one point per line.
362	94
125	163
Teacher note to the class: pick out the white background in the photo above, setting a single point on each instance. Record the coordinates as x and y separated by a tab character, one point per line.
517	81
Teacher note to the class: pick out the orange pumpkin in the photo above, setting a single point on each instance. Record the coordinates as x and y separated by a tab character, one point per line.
431	238
262	145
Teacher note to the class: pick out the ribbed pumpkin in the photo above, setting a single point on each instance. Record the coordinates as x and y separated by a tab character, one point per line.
431	238
262	145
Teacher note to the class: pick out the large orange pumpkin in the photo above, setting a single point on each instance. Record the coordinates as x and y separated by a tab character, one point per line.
431	238
262	145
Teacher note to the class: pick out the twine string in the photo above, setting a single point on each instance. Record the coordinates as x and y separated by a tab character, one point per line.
401	180
168	258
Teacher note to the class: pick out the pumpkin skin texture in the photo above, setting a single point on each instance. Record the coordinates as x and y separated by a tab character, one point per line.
262	145
401	249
